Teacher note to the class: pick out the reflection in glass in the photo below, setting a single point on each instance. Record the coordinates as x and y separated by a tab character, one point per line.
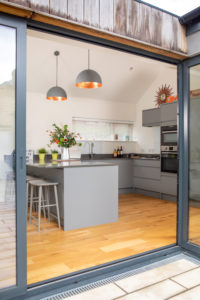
194	163
7	157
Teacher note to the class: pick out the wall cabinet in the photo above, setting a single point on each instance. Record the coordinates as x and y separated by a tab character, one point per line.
168	112
151	117
166	115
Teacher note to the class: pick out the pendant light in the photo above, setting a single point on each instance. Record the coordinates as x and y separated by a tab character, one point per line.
88	78
56	93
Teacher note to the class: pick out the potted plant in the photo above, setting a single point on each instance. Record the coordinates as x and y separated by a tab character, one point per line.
42	152
54	154
64	138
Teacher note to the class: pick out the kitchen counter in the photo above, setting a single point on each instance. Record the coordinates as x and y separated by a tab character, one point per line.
71	164
87	191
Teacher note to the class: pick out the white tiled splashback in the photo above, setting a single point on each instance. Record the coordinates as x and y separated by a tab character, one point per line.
106	147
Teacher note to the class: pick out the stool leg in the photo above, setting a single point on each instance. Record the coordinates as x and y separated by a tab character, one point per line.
31	205
39	207
47	197
43	203
57	207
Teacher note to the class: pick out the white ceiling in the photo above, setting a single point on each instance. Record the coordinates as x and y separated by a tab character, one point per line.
125	76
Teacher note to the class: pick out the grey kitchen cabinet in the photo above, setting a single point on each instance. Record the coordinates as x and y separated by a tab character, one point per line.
124	173
147	184
151	117
146	175
168	184
168	113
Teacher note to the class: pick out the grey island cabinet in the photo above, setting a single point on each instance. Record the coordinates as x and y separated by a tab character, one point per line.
87	191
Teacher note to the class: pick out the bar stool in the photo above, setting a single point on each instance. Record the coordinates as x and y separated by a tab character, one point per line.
28	179
41	184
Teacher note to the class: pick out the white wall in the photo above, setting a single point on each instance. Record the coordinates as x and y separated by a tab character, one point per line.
41	114
148	138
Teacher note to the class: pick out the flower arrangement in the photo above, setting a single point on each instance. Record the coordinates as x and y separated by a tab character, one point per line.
63	137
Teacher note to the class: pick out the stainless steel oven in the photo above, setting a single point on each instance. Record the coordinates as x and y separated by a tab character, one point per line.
169	159
169	135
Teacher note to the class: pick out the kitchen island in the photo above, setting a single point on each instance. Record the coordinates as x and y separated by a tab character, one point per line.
87	191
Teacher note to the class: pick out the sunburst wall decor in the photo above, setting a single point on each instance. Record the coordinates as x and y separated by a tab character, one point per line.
162	94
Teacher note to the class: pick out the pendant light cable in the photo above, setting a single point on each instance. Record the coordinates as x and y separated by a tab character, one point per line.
88	78
88	59
56	93
56	54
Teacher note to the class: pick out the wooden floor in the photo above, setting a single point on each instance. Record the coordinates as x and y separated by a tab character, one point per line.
144	224
194	225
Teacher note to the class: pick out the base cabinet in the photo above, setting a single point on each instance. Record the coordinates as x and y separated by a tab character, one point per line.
146	175
168	184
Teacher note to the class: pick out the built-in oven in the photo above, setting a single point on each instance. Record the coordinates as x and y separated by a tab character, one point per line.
169	159
169	135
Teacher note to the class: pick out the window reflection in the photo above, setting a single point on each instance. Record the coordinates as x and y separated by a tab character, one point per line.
194	186
7	157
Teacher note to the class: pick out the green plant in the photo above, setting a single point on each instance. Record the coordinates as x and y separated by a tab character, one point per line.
54	151
42	150
63	137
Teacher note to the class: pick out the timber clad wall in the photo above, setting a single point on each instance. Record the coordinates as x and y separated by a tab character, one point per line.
127	18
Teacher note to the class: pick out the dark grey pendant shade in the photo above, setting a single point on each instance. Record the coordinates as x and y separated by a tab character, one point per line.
56	93
88	78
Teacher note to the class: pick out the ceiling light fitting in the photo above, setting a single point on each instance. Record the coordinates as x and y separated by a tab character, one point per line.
56	93
88	78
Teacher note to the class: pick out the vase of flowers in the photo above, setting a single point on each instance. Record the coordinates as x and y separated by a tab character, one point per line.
65	153
64	139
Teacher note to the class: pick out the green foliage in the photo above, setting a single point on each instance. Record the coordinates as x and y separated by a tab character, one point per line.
54	151
63	137
42	150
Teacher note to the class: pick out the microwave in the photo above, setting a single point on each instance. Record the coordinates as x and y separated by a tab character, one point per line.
169	135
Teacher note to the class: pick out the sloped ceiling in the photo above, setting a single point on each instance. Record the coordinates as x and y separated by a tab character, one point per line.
125	76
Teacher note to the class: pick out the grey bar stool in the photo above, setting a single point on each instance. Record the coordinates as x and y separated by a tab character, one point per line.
44	186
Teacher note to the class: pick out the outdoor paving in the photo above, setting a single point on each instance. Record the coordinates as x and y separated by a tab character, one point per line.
177	280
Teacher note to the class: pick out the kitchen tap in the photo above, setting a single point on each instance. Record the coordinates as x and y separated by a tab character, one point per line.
91	149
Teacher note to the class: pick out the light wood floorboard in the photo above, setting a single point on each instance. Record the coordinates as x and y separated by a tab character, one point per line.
144	224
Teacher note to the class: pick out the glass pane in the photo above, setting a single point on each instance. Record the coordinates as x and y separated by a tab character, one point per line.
194	164
7	157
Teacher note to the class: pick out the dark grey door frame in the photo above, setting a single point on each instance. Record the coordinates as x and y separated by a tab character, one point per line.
85	276
20	146
184	157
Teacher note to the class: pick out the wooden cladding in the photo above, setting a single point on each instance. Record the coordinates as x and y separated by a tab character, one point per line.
127	18
195	94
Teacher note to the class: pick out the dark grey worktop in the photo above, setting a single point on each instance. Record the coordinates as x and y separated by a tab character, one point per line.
98	157
71	164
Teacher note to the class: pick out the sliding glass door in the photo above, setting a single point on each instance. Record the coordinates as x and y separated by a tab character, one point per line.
12	150
191	146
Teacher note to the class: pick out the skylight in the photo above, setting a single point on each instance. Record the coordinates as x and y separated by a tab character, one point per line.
177	7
